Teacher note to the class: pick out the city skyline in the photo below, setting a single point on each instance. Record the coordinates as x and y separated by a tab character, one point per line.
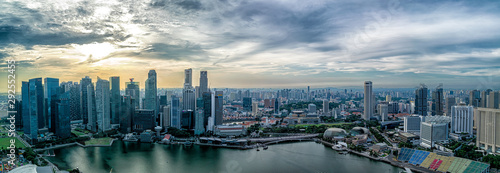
256	44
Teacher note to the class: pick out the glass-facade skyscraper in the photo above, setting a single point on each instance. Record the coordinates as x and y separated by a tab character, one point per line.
115	99
102	105
421	100
150	100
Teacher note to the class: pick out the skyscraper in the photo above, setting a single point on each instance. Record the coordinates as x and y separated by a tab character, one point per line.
151	92
368	98
326	108
207	107
484	98
493	100
188	95
247	104
127	112
421	100
475	98
74	102
91	109
203	83
199	126
219	101
487	129
102	105
115	99
84	83
51	88
437	101
450	102
36	104
462	119
62	120
175	112
166	116
132	90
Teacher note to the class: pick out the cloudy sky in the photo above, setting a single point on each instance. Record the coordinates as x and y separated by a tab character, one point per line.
287	43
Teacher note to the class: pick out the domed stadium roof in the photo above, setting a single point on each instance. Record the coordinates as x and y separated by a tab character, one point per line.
359	131
334	132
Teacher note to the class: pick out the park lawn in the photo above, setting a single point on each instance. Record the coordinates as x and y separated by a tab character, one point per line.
77	133
5	142
99	141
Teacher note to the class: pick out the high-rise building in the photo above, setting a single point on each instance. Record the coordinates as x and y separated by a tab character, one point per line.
115	99
199	126
62	120
484	98
267	103
462	119
188	95
33	96
25	102
175	112
219	101
127	112
388	98
437	101
450	101
166	116
475	98
276	105
203	83
51	88
132	90
493	100
432	132
207	107
84	83
247	104
102	105
421	100
74	102
383	110
311	108
326	107
368	101
91	109
151	92
143	119
187	119
412	123
255	108
487	122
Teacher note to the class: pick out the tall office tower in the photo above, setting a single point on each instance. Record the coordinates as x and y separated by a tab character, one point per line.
421	100
166	116
267	103
151	92
18	108
412	123
437	101
462	119
115	99
62	121
255	108
32	94
91	109
383	110
493	100
84	83
247	104
132	90
74	102
450	101
308	93
219	101
276	105
187	119
36	102
199	126
388	98
484	98
207	107
102	105
127	112
475	98
369	102
486	122
188	95
203	83
175	112
51	88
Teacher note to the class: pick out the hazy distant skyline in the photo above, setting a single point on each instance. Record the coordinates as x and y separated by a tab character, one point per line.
257	44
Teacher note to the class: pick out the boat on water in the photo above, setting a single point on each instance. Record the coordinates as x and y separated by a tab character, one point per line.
258	149
343	152
265	147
